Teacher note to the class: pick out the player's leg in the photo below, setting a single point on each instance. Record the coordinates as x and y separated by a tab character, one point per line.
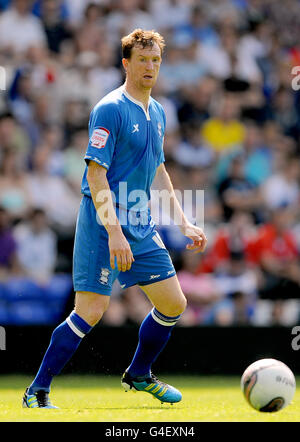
89	308
169	303
166	296
93	279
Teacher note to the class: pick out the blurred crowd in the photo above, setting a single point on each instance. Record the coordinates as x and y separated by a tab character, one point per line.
233	130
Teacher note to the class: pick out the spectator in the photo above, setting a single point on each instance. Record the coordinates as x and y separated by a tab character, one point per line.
43	69
255	107
73	162
200	290
104	72
8	259
228	59
193	151
52	137
258	158
238	286
136	304
197	28
91	33
74	116
21	95
237	236
127	16
60	6
53	15
172	72
194	69
43	117
67	55
254	45
12	136
18	17
232	311
76	11
14	192
181	69
224	132
236	192
52	194
78	83
195	103
210	212
284	111
282	188
279	259
36	246
168	14
277	253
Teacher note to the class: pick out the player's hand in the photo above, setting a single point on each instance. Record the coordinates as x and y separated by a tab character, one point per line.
119	248
197	235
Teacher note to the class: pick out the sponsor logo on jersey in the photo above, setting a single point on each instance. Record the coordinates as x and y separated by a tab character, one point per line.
135	128
99	137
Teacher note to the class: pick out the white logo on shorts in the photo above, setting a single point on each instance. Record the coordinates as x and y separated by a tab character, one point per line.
154	276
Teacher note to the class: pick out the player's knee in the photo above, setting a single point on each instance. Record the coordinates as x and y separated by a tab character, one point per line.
92	318
182	304
92	311
178	306
94	315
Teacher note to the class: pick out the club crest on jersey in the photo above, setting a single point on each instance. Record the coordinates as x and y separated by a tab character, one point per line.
99	137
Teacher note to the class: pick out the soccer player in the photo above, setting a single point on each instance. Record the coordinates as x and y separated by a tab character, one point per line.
116	237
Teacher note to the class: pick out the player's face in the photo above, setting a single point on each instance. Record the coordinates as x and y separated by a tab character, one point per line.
143	66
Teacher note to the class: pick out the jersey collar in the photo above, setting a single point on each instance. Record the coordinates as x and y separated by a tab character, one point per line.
139	103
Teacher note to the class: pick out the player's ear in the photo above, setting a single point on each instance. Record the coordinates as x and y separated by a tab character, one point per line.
125	63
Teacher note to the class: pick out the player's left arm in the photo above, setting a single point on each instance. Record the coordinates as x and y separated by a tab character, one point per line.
195	233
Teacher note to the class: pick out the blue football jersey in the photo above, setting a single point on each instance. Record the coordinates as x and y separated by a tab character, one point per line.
128	142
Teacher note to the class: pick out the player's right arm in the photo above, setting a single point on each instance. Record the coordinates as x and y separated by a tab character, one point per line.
104	126
101	195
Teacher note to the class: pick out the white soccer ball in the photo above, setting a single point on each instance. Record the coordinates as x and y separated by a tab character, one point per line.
268	385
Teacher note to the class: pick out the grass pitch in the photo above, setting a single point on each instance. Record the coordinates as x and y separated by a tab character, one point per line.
101	399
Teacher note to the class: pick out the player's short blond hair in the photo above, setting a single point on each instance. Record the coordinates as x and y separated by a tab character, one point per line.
140	37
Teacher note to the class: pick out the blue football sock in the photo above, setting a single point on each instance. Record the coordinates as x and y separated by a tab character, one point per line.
64	342
154	334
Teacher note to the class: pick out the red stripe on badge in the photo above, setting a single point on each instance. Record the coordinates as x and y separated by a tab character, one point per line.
99	137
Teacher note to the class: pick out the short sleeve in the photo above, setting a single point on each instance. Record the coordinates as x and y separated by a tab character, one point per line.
104	126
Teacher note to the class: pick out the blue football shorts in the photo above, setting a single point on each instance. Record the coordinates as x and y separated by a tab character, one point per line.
91	259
